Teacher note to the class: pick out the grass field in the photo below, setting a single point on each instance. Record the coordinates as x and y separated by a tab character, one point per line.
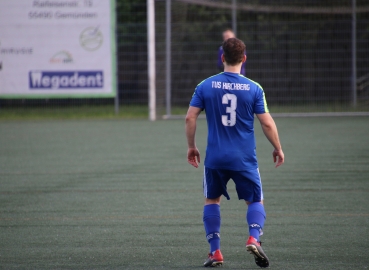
52	112
118	194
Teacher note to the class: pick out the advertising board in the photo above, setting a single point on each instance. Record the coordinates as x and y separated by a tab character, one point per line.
57	48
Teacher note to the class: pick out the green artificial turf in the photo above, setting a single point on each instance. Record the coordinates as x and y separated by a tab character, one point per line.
138	112
119	194
73	112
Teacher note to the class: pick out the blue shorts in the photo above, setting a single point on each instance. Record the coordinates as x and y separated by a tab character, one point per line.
248	184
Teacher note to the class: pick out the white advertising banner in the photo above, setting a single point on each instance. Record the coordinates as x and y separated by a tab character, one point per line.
57	48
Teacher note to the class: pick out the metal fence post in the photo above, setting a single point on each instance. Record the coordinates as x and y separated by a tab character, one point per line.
168	77
234	16
353	50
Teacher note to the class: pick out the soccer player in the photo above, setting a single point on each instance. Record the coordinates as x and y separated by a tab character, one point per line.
228	33
230	101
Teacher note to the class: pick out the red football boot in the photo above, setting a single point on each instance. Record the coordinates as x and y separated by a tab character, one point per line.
254	247
214	260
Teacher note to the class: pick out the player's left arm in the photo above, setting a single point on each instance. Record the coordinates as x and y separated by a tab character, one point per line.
193	154
271	132
268	125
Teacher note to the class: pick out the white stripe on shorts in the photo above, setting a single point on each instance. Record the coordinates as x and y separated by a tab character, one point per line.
261	186
204	184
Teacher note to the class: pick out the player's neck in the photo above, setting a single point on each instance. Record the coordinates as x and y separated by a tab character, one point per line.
232	69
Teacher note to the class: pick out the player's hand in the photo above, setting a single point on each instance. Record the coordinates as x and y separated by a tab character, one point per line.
278	157
193	157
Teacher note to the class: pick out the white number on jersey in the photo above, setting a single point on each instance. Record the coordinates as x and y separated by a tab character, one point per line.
230	99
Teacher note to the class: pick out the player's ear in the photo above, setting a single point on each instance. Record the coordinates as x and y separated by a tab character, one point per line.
222	57
244	58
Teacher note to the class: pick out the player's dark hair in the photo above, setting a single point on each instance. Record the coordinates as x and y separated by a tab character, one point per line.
233	50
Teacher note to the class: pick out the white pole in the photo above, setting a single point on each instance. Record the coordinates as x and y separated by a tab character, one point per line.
168	57
151	58
353	57
116	98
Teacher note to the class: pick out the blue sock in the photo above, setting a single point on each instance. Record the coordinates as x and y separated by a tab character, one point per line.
211	220
255	218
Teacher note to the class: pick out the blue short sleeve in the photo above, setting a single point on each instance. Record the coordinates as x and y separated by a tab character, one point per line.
261	105
197	99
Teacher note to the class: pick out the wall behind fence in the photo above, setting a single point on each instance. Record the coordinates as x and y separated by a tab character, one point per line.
132	52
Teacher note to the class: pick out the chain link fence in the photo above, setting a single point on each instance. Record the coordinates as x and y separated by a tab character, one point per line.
299	51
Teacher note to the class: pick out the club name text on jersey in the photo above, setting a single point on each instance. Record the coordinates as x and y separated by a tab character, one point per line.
230	86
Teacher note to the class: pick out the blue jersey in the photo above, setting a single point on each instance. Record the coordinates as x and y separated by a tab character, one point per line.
230	101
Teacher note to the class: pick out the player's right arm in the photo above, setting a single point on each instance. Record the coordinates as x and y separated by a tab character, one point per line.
270	130
196	106
193	154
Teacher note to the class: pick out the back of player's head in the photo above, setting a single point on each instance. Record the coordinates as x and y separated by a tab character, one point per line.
233	51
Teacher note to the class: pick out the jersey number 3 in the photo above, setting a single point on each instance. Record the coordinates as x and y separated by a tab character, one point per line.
231	100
